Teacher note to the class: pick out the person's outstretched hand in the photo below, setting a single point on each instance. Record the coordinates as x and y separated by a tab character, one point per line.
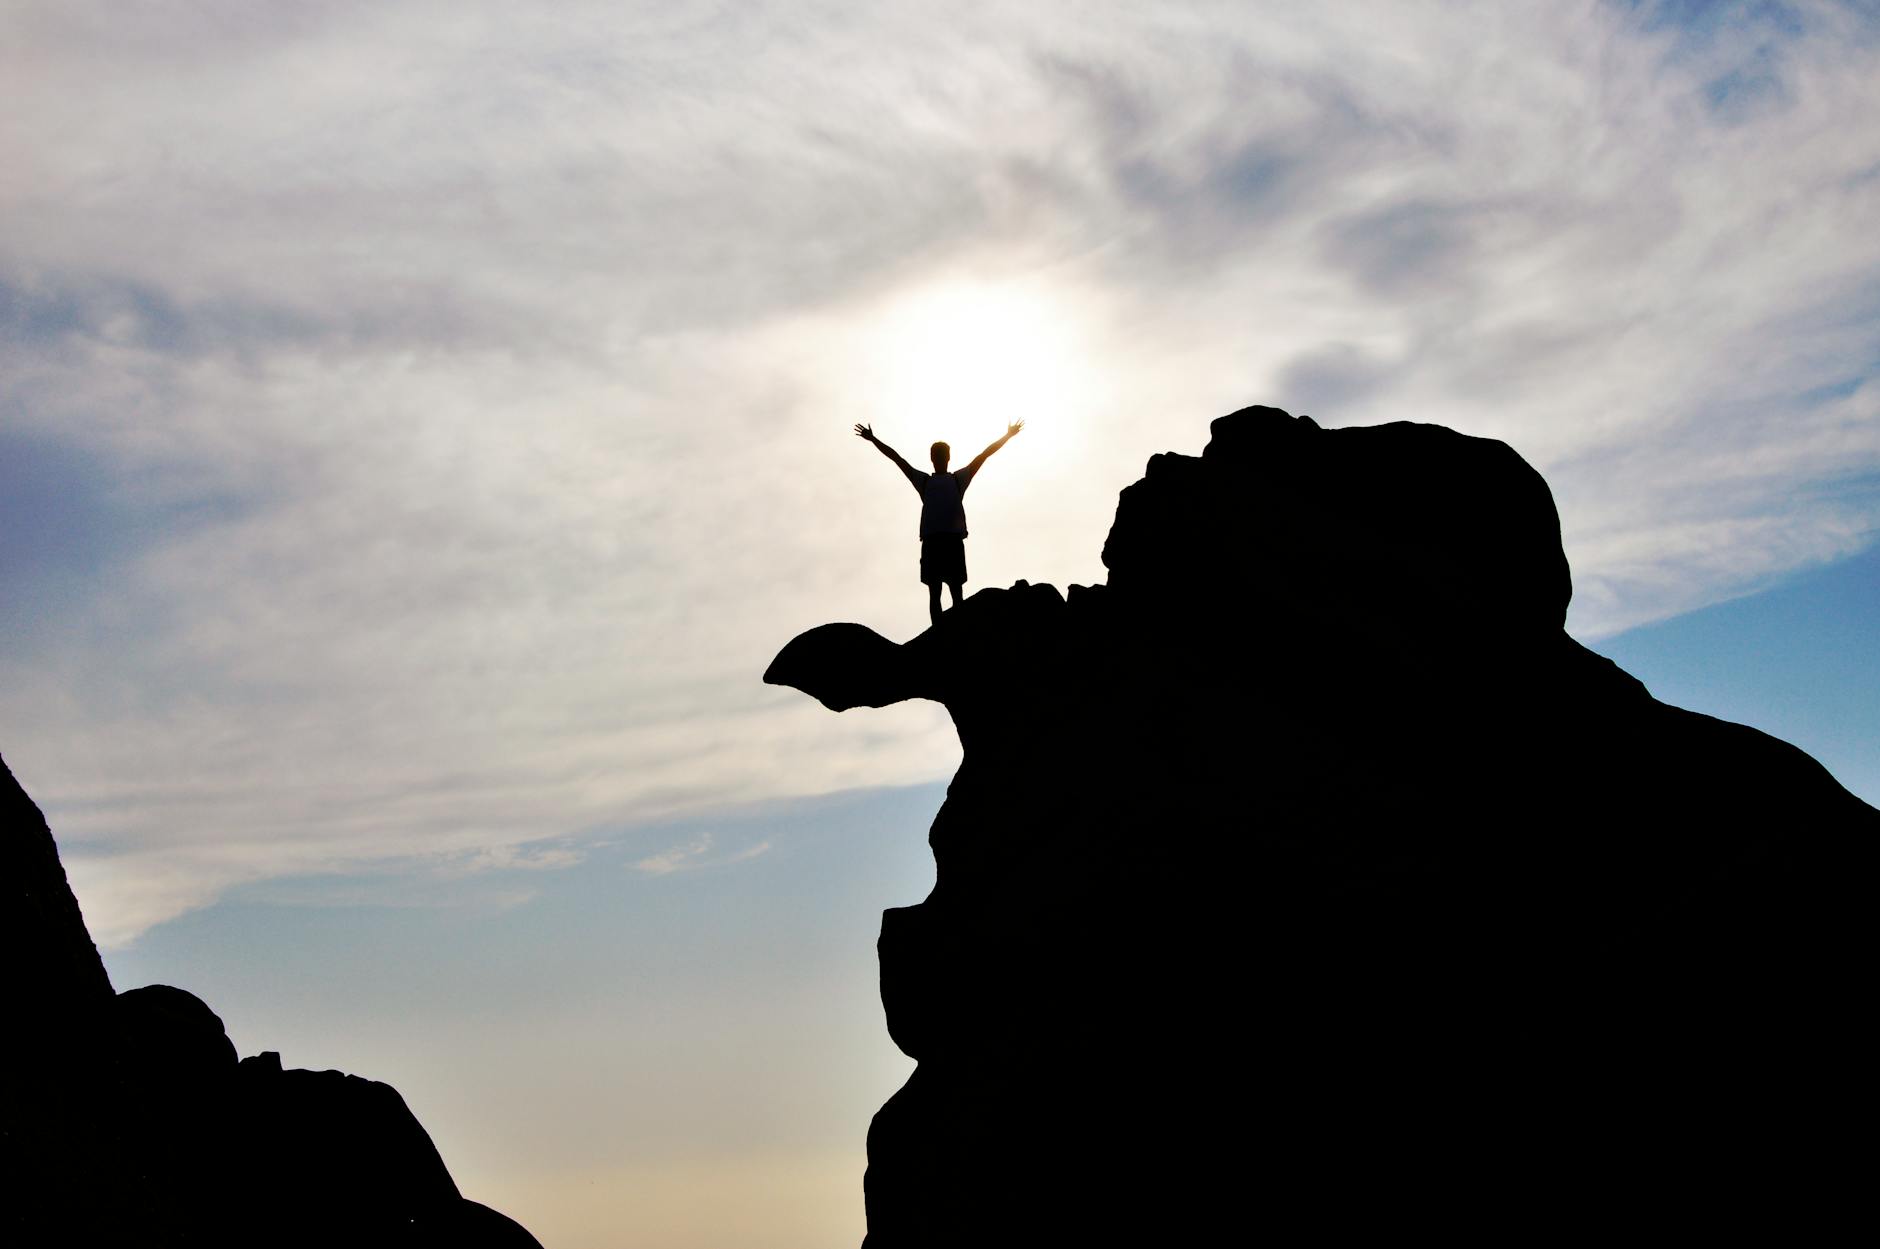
866	432
1013	428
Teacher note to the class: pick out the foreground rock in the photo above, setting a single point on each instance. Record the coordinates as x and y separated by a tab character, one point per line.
1308	881
129	1120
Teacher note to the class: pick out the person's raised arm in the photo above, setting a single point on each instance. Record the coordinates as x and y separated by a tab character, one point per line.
981	458
867	434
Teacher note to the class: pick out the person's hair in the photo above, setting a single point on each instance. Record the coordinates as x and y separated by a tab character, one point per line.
940	451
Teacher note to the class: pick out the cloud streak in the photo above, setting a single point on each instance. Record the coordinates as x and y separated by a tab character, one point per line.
696	853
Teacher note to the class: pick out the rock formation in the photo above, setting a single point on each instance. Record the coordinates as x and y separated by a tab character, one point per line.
1307	880
130	1121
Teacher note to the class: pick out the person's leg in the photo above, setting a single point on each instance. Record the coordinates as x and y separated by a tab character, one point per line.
958	588
933	601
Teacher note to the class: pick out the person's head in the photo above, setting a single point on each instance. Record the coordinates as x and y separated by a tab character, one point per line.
941	453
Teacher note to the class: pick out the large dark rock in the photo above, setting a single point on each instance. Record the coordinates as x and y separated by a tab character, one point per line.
129	1121
1307	880
54	967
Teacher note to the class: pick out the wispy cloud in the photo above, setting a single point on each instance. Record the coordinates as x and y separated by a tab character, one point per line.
698	852
519	859
460	397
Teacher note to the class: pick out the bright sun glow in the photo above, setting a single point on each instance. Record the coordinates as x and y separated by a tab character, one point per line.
962	361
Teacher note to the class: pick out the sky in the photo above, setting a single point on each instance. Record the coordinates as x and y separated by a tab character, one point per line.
420	423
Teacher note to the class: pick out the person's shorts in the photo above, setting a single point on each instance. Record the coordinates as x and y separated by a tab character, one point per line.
943	560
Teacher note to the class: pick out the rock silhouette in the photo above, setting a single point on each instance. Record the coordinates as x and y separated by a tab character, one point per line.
1307	881
130	1121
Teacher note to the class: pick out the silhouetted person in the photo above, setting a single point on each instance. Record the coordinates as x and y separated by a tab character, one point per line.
942	513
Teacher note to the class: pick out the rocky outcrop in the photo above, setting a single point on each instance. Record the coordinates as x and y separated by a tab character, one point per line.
65	974
1307	880
130	1121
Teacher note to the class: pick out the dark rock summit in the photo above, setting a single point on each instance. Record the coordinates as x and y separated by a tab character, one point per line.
1308	881
129	1119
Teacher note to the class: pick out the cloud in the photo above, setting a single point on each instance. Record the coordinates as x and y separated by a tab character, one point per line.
452	404
696	853
520	858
